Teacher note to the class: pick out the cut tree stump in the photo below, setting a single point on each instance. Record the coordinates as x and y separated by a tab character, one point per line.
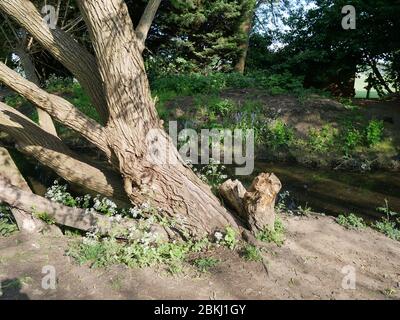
256	205
259	201
233	193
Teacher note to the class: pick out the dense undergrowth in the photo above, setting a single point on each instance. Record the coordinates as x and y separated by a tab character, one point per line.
352	142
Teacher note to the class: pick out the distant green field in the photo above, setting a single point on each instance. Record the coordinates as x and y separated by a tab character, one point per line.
360	83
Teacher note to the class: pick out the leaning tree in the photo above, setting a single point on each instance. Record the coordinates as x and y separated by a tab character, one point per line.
115	79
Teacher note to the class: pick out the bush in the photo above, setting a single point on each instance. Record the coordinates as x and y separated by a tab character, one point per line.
374	132
388	228
387	225
279	135
321	140
195	83
352	137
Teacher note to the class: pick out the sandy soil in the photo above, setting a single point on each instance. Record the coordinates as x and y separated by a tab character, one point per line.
308	266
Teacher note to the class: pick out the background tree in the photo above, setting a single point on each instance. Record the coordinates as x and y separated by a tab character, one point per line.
314	45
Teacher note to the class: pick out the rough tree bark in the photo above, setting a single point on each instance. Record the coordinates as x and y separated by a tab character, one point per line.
63	47
256	205
50	151
245	29
133	139
170	186
142	29
9	173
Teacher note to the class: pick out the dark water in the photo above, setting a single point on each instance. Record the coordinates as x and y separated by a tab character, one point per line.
336	192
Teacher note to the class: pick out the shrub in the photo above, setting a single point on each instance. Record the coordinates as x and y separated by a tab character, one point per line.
388	228
279	135
321	140
352	137
374	132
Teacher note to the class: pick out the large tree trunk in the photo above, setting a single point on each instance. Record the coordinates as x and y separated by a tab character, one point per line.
133	139
245	29
170	186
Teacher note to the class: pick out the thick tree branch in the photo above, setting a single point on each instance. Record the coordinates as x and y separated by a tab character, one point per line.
10	173
142	29
71	217
59	108
51	152
63	47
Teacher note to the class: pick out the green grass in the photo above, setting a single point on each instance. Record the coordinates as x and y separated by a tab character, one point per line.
252	253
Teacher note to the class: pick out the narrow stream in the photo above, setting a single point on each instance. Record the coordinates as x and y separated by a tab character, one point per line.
336	192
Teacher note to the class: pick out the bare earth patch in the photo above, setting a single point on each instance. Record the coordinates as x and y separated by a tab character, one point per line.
307	266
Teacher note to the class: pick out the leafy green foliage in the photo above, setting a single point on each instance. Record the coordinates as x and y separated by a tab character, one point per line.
351	221
252	253
204	264
212	83
45	217
197	36
390	224
7	223
321	140
140	252
228	238
388	228
59	193
374	132
276	236
213	173
279	135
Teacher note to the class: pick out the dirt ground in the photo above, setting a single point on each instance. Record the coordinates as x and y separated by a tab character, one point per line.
308	266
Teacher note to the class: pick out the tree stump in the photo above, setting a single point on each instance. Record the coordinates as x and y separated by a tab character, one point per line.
233	193
256	205
259	202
